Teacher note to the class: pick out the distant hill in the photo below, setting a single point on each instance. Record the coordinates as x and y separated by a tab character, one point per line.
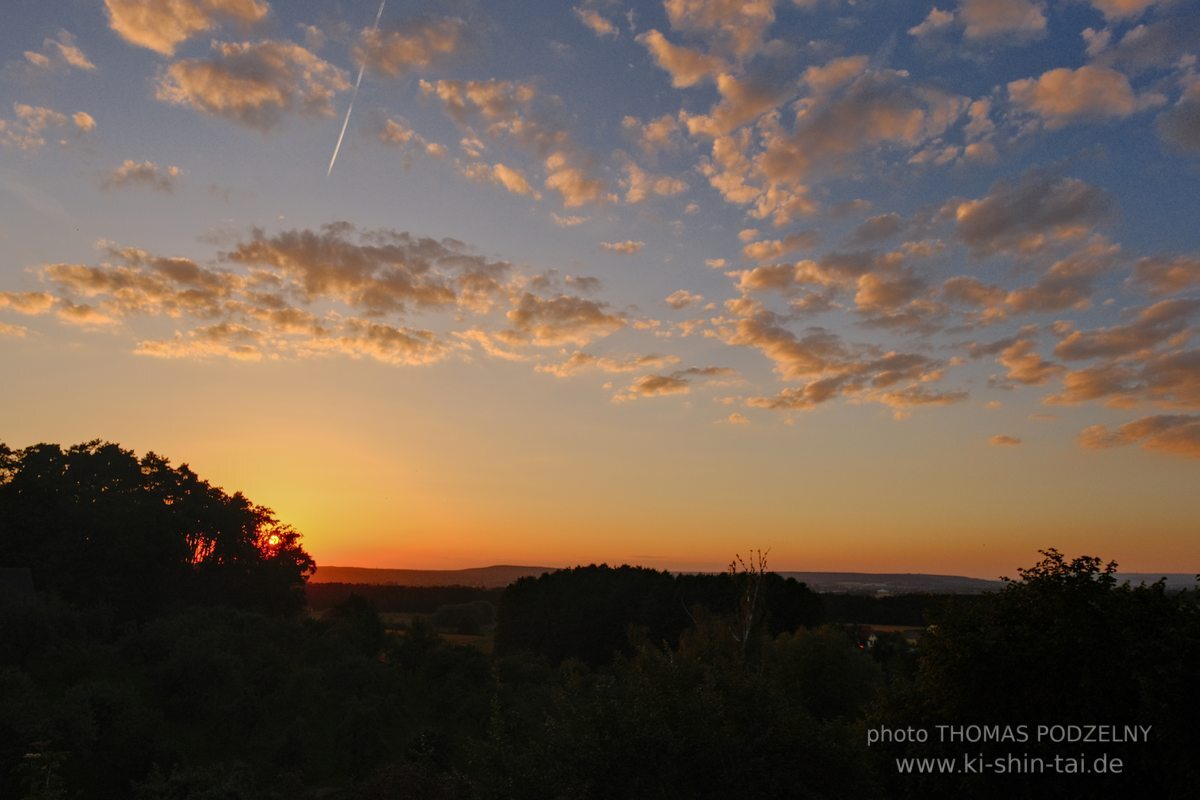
892	583
486	577
1175	580
850	582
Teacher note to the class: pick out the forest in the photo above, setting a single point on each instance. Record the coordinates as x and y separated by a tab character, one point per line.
158	641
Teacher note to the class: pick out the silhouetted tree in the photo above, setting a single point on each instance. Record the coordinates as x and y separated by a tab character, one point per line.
1066	643
98	526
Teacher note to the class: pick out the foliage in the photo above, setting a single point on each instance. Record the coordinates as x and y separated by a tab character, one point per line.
100	527
588	613
1066	644
157	663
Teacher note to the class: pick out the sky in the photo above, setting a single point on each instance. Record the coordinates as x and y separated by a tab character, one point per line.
876	285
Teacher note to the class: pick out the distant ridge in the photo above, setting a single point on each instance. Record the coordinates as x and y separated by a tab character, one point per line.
851	582
892	582
485	577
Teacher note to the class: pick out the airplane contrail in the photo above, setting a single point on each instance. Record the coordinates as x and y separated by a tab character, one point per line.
353	97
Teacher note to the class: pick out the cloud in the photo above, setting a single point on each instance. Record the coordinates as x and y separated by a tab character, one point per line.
511	178
879	108
626	248
507	110
829	367
1152	326
389	344
580	361
145	173
1025	366
1178	434
29	303
1069	282
1000	440
398	50
573	182
29	127
567	221
398	134
682	298
1168	379
660	133
737	418
687	67
161	25
854	115
1180	125
678	382
735	26
936	20
84	315
1062	96
770	249
742	101
564	319
13	331
336	290
1026	214
598	24
378	271
876	229
639	184
986	19
1122	9
1167	274
1158	44
254	83
60	53
224	340
827	78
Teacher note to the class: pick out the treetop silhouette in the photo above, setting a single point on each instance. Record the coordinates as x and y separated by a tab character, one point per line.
98	526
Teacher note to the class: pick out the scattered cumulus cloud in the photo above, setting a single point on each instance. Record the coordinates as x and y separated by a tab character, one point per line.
145	173
625	248
254	83
162	25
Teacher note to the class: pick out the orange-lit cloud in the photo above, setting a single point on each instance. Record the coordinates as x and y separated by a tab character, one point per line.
626	248
161	25
1176	434
1062	96
687	67
735	26
596	22
254	83
1027	214
30	125
563	319
397	50
1167	274
580	361
61	52
143	173
984	19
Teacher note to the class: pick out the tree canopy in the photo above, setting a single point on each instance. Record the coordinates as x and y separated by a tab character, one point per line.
100	527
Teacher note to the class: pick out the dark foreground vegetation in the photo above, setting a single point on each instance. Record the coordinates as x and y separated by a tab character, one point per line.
165	654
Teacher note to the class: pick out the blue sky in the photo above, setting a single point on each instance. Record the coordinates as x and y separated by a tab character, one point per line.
680	251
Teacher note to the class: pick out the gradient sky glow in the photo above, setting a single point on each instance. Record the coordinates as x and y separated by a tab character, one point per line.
880	285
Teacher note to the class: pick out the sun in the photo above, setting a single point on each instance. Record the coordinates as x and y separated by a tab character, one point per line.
273	540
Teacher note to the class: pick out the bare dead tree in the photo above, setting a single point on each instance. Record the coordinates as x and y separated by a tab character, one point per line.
748	579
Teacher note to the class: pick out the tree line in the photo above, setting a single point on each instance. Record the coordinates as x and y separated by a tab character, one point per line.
167	655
